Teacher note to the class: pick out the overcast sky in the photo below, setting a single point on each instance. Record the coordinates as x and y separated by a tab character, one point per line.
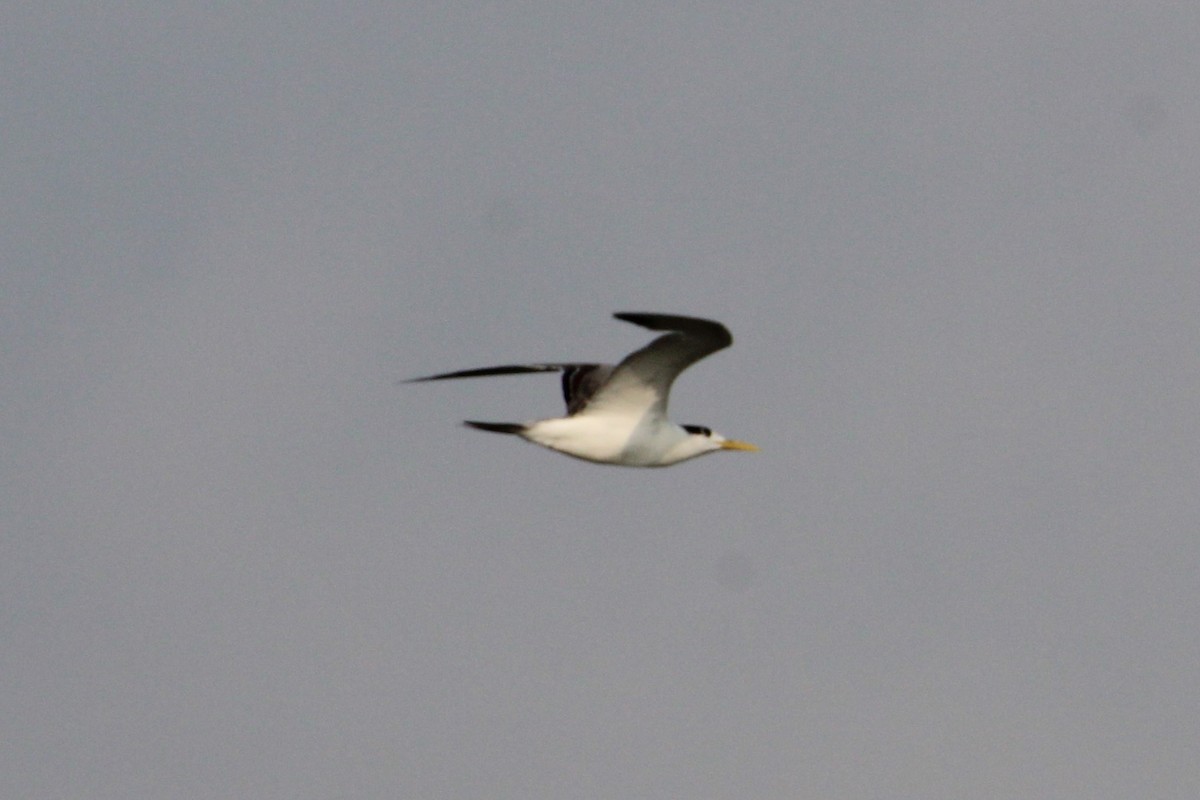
956	245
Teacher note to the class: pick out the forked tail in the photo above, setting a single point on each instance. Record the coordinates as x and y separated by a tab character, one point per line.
496	427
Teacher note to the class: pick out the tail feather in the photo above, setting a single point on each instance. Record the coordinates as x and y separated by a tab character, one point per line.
496	427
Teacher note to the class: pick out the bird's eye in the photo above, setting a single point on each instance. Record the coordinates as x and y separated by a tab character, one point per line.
699	430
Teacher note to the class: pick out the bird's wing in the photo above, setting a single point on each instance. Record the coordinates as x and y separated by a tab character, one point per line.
642	381
579	381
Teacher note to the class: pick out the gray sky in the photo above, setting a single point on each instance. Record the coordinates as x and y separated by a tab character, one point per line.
956	244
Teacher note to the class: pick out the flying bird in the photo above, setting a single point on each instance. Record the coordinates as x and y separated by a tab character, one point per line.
617	413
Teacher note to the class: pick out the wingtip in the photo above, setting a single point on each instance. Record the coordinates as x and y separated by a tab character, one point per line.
647	319
656	320
677	322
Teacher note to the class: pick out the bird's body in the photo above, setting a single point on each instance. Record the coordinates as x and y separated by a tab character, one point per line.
617	414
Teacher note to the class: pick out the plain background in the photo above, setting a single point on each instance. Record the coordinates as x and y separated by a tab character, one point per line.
957	246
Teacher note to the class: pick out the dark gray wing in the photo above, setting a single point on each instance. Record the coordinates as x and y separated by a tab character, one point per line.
579	381
641	382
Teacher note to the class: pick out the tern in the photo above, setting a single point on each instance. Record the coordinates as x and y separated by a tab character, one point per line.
617	413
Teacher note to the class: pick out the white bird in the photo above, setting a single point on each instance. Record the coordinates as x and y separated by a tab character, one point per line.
617	414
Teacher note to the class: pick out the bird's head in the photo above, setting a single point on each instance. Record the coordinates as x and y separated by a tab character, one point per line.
706	440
